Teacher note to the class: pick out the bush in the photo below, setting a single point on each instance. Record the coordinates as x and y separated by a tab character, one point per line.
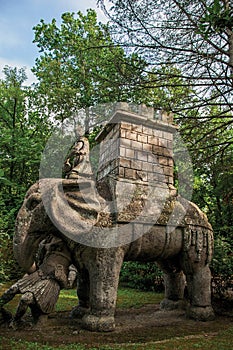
7	263
222	267
143	276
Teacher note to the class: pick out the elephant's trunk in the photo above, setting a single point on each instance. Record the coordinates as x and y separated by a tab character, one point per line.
29	232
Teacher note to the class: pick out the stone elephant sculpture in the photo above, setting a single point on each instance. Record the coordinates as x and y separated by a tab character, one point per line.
183	253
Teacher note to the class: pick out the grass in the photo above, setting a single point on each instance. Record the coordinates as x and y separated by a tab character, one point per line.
126	298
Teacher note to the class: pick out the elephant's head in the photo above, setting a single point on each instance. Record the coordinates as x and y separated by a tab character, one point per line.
67	208
32	226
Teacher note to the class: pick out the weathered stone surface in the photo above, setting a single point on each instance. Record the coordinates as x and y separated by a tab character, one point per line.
137	206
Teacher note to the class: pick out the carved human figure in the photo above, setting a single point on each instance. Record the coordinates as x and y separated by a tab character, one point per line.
77	162
40	289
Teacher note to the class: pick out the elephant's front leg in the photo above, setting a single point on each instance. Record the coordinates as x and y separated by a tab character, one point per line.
104	273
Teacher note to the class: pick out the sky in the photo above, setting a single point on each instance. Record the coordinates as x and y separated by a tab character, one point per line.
18	17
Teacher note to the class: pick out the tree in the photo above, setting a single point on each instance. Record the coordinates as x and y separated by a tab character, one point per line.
24	131
212	161
80	66
196	37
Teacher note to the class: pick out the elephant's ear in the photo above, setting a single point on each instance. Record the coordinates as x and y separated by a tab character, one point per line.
71	204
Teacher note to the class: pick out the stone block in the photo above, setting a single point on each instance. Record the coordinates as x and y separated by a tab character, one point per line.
130	173
140	155
168	171
163	161
125	142
136	145
170	162
122	151
121	171
126	163
153	140
123	133
146	166
141	175
147	147
142	138
152	158
157	150
157	133
137	128
129	153
136	164
147	131
125	125
131	135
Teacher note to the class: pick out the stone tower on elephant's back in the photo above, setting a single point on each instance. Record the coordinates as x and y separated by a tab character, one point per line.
136	148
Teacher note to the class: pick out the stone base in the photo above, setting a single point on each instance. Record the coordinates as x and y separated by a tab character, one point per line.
98	324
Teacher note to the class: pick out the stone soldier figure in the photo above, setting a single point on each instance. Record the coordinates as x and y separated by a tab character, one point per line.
40	289
77	162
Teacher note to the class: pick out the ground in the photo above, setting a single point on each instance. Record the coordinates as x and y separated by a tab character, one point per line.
133	325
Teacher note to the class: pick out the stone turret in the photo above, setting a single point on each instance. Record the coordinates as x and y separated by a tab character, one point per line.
137	147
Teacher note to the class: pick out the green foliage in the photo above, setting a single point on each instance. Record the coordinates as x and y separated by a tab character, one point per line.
217	18
170	95
80	66
222	267
6	260
24	131
211	149
143	276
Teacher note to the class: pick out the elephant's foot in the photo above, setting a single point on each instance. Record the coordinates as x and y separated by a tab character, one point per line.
79	312
200	313
98	324
168	304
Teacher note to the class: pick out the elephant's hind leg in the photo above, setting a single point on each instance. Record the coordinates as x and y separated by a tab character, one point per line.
199	289
174	282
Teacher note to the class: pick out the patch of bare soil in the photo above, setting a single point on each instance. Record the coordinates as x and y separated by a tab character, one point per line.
133	325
